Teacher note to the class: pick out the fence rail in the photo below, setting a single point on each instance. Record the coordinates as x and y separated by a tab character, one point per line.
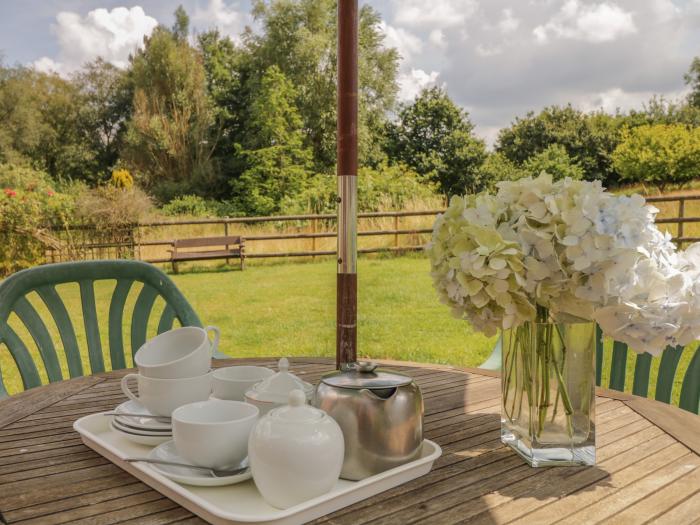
318	227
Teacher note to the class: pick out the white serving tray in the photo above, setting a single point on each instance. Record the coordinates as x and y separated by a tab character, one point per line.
242	503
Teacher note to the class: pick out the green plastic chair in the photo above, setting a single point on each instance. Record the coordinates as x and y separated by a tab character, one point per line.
44	279
690	387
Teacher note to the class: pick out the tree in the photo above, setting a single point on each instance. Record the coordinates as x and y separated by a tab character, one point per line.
228	75
658	110
589	139
106	96
276	162
497	168
434	137
555	161
692	79
181	27
172	132
22	125
299	37
43	126
659	154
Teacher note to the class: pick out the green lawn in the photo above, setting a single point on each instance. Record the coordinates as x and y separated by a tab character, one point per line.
289	310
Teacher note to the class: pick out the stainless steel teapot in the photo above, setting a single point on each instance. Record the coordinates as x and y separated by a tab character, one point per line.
380	413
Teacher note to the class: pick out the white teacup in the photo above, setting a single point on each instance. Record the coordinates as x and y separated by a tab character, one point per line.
232	382
162	396
214	433
182	352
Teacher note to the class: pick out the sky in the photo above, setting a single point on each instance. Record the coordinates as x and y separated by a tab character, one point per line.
497	58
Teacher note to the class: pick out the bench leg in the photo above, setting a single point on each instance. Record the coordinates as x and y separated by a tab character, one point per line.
175	268
242	263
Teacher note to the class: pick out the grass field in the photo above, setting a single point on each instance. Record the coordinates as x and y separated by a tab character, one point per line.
289	310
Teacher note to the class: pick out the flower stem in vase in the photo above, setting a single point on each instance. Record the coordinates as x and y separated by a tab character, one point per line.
547	363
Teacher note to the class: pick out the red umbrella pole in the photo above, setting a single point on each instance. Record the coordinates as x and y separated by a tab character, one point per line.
346	324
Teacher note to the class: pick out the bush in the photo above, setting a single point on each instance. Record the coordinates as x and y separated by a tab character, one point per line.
107	207
555	161
496	168
386	188
122	179
192	205
29	209
659	155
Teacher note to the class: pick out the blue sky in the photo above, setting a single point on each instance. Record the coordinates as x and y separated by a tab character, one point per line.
497	58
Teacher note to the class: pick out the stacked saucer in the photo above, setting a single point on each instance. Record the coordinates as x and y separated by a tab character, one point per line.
140	425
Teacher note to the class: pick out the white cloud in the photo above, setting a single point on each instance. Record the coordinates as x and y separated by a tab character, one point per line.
229	20
410	84
593	23
406	43
437	38
665	10
617	98
112	35
489	134
508	23
440	13
488	51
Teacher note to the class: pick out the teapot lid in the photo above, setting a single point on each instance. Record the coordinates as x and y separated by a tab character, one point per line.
276	388
365	374
296	410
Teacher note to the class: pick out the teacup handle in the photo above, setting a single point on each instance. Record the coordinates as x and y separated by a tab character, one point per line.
217	336
125	387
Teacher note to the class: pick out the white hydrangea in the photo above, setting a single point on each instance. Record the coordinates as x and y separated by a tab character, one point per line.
573	248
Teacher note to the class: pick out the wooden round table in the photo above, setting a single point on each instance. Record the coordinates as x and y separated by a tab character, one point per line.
648	461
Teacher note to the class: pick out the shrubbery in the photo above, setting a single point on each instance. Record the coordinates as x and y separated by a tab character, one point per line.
659	155
32	210
386	188
192	205
29	209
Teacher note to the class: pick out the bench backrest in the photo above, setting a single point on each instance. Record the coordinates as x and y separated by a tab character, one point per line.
207	241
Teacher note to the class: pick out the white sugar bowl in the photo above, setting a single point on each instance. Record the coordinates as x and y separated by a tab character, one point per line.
295	452
274	391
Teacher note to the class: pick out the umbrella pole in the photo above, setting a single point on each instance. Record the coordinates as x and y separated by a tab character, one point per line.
346	317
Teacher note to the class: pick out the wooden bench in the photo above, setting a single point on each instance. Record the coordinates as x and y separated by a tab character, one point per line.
234	248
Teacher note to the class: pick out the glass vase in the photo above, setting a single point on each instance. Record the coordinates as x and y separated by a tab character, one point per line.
548	392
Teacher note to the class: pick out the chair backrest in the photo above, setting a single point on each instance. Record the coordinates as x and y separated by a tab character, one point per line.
665	379
43	281
666	376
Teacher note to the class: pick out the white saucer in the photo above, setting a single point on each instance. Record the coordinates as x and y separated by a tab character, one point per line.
140	431
146	422
190	476
151	441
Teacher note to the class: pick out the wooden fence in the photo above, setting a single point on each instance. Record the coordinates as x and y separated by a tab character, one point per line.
317	227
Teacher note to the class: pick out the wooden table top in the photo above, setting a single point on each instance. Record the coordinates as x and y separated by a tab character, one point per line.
648	459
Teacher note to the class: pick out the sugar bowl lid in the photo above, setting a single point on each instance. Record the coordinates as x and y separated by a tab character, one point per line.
277	387
296	410
365	374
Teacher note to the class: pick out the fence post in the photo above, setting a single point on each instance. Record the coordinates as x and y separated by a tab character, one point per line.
313	239
228	261
396	227
137	234
681	214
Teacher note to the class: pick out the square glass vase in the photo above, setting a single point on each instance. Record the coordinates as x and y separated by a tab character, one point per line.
548	392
